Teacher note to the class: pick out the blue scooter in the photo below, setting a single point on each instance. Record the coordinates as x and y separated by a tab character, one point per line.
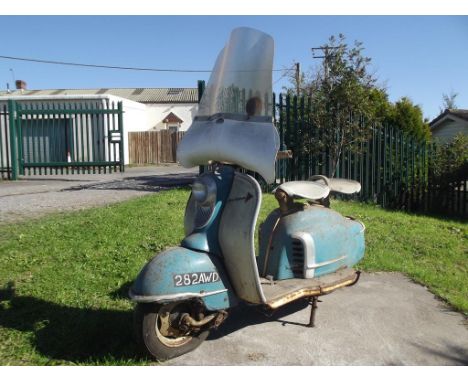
305	248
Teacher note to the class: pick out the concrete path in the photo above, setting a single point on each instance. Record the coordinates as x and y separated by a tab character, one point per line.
36	196
383	320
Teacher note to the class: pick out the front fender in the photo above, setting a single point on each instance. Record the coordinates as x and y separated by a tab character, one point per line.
180	274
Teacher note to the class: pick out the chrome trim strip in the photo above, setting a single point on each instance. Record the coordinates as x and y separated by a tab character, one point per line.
171	297
318	265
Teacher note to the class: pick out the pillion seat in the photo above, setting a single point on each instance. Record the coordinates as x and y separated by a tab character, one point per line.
318	187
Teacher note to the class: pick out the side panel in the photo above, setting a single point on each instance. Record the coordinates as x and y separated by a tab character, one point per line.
179	274
236	238
334	242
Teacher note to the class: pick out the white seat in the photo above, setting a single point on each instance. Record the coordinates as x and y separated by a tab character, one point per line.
304	189
343	186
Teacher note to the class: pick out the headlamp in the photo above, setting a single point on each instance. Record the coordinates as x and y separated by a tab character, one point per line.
204	190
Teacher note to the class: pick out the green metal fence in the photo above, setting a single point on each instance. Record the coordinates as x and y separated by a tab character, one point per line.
76	137
394	169
5	158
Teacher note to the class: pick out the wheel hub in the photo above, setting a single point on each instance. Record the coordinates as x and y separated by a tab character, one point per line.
167	328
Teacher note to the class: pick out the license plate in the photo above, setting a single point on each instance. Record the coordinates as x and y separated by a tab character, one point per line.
195	278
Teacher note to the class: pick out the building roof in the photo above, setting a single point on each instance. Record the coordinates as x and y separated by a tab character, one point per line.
142	95
172	118
460	113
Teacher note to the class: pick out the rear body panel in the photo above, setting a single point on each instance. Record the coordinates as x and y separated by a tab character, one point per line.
309	243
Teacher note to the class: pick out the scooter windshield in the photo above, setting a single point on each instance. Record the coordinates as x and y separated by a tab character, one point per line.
234	120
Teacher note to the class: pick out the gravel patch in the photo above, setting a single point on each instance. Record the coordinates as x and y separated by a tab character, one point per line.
34	197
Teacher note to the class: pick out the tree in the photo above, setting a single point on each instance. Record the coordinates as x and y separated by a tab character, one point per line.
408	117
448	101
346	102
451	157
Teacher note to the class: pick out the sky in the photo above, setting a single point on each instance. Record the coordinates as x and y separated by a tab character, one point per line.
420	57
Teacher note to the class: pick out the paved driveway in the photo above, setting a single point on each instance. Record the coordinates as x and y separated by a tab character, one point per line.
385	319
36	196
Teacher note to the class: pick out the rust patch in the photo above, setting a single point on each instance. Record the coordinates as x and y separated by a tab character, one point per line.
308	292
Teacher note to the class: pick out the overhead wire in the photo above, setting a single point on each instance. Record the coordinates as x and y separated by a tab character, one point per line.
282	76
36	60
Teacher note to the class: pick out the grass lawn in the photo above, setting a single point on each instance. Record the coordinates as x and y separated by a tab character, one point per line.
68	274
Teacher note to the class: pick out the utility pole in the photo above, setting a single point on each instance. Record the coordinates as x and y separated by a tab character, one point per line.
327	54
298	78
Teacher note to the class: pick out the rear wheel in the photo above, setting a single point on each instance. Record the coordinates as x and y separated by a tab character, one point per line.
159	330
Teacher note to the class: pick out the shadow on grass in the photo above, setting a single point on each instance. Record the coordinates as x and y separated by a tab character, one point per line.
149	183
121	293
100	336
64	333
441	214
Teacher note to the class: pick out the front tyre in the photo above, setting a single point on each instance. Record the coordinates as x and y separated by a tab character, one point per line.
158	329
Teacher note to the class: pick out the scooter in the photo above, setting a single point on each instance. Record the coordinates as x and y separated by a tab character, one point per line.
306	249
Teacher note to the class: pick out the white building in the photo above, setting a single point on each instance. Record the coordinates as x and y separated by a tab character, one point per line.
144	108
448	124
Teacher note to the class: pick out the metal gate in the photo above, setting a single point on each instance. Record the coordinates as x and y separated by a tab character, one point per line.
5	158
42	137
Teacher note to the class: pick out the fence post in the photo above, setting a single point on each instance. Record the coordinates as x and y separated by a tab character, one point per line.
295	139
283	163
303	159
13	151
121	146
19	139
287	139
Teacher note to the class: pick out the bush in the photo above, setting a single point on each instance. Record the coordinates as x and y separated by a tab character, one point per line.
452	157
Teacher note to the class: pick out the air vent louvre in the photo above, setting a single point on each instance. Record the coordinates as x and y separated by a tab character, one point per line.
297	263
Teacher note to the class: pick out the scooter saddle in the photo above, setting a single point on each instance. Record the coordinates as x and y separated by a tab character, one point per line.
304	189
319	187
343	186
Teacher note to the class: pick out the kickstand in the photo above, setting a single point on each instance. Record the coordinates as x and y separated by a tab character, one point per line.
313	302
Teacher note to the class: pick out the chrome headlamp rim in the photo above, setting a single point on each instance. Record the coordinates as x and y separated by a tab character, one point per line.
204	190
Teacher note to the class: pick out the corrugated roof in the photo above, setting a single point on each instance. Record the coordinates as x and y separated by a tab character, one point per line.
143	95
460	113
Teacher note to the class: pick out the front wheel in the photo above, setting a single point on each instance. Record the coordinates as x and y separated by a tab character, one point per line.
158	329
